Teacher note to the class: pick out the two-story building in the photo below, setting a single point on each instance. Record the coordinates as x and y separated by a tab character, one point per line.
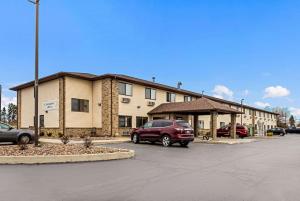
112	104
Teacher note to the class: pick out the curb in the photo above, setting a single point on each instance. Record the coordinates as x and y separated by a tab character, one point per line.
223	142
65	158
94	142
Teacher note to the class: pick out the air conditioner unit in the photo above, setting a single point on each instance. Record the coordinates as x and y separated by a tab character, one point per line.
125	100
151	103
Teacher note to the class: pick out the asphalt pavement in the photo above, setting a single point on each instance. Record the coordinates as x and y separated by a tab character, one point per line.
265	170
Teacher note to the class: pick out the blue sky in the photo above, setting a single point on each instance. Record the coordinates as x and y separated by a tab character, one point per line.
231	48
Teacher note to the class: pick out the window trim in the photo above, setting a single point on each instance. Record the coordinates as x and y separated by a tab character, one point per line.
126	121
151	89
186	96
126	84
79	107
170	93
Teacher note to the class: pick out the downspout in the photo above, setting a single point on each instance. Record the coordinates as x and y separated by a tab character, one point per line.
111	109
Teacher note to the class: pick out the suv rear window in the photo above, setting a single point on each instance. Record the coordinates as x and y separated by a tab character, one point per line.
183	124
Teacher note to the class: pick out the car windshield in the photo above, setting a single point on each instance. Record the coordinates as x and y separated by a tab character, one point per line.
183	124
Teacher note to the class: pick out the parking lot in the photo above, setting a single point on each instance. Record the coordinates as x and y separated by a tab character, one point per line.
263	170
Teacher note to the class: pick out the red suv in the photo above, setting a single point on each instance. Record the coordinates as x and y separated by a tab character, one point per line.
165	131
241	131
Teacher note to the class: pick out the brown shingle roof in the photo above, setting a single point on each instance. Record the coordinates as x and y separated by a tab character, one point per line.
201	106
127	78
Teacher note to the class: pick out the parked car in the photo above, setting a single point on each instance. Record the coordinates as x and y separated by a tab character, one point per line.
10	134
224	131
277	131
292	130
167	132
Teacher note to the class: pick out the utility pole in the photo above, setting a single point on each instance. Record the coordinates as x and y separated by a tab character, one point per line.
36	81
0	102
242	111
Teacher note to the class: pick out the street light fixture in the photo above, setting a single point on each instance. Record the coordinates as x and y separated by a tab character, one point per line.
242	100
36	81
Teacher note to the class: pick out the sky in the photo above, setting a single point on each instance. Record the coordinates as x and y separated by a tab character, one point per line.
231	49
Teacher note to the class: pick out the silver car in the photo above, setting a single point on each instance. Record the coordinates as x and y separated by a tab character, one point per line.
10	134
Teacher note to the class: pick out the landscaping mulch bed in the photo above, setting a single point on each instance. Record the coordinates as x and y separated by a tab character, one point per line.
55	149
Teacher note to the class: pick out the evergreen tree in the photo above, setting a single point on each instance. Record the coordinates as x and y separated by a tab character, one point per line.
292	121
3	115
11	112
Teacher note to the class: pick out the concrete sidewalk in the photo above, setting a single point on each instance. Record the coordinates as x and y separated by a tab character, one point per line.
224	141
97	142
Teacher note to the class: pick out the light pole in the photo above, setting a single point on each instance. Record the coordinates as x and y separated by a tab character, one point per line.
0	102
242	100
36	81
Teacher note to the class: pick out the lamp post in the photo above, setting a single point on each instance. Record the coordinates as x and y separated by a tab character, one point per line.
242	100
36	81
0	102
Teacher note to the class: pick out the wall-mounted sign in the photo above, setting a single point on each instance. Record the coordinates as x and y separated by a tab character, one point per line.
50	105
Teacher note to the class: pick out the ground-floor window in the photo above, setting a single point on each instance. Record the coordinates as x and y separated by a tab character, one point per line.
222	124
201	124
42	121
125	121
140	121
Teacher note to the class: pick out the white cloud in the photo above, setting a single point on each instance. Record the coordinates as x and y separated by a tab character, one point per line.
262	104
221	91
295	111
276	91
6	100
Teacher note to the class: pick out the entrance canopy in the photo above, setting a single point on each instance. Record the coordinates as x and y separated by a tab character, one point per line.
201	106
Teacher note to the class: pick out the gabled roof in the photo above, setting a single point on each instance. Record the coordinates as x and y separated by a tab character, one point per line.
126	78
200	106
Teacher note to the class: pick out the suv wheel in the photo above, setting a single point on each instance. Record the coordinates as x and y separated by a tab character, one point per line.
166	141
135	138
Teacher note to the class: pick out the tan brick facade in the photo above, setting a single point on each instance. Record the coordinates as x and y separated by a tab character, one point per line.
110	107
19	109
62	105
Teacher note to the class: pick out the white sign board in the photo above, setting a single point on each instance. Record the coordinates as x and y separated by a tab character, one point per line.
50	105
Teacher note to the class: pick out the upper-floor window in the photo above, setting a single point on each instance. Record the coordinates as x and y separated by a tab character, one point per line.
125	89
171	97
187	98
250	112
80	105
150	94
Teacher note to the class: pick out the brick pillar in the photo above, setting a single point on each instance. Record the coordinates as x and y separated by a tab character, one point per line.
19	109
110	107
62	103
233	126
253	122
195	124
213	126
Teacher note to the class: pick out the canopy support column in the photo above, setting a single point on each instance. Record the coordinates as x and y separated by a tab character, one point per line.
213	127
233	126
196	119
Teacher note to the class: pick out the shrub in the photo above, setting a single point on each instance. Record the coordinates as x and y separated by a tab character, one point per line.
60	135
88	142
49	134
22	144
42	134
81	135
65	139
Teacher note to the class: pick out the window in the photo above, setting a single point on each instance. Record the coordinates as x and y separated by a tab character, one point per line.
222	124
201	124
125	89
140	121
171	97
80	105
125	121
250	112
150	94
42	121
159	124
148	125
187	98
